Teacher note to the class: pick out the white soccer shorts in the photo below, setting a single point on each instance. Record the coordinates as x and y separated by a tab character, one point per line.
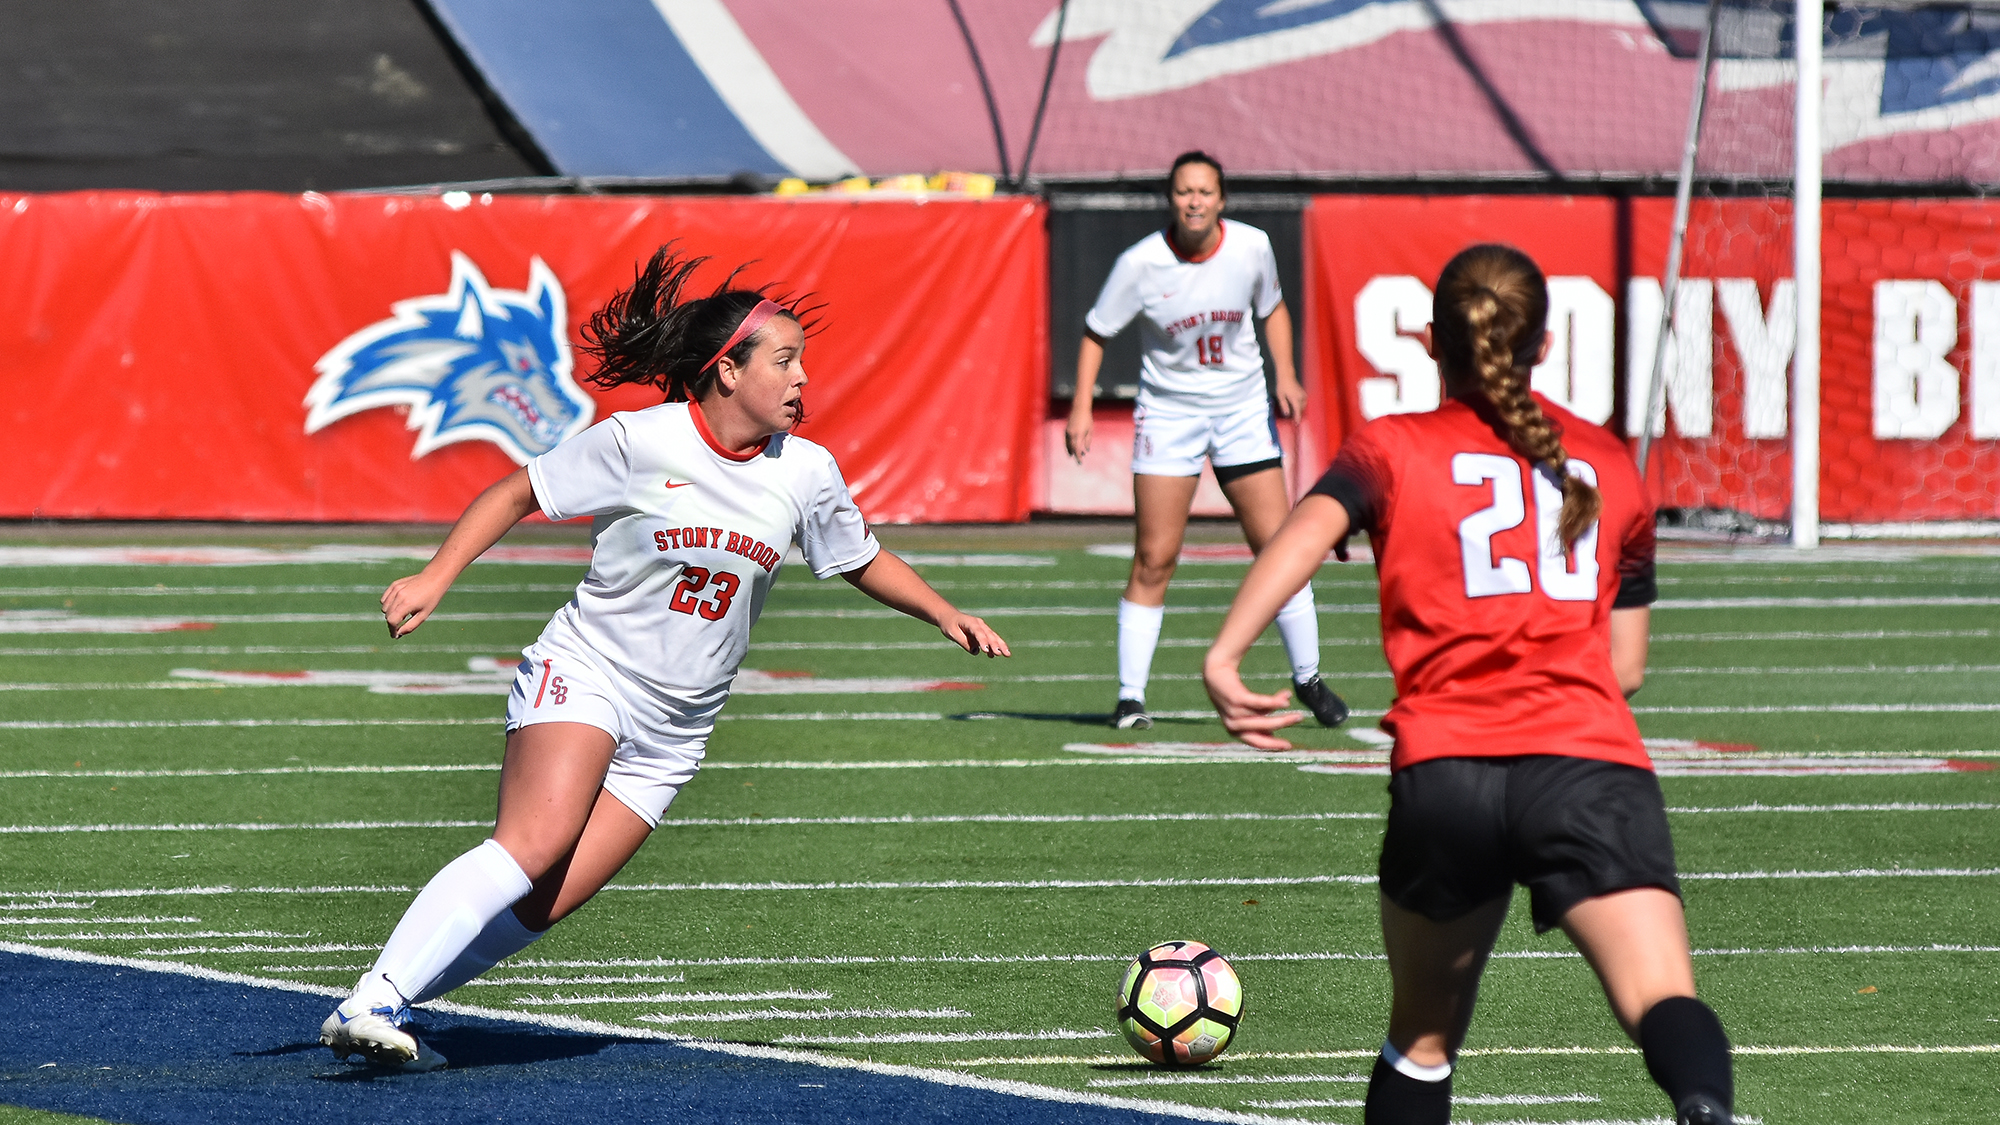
1168	443
656	751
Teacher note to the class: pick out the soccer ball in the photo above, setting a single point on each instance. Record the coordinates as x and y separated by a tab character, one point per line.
1180	1004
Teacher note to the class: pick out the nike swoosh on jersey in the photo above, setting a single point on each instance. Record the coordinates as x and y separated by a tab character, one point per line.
683	484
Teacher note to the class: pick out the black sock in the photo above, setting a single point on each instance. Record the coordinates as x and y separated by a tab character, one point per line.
1395	1098
1687	1052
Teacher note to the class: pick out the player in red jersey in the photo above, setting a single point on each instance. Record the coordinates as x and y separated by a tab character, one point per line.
1514	543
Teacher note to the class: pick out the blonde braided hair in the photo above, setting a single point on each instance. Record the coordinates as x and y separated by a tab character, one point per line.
1488	319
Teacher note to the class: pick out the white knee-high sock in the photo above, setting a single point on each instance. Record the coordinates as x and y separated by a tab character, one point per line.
503	937
1298	625
446	917
1138	636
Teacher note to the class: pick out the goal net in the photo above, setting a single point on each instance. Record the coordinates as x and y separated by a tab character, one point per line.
1909	294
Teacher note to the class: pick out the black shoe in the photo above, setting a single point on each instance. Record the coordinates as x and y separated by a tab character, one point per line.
1328	708
1700	1110
1130	714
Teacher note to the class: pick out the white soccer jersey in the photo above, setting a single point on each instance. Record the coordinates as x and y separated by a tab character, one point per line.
1199	347
686	542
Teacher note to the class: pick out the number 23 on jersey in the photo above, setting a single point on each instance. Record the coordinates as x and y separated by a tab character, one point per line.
721	584
1487	576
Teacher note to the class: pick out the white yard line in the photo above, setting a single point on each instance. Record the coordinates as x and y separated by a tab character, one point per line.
675	998
240	724
369	590
762	1015
1834	635
1075	958
1052	1035
1224	1079
913	820
155	936
130	920
271	650
490	981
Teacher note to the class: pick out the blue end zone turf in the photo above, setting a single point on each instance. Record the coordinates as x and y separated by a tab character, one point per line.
139	1046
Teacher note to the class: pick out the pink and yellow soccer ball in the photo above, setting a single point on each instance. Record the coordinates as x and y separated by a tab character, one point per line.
1180	1004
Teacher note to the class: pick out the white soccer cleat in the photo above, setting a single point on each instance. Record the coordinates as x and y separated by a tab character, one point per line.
373	1034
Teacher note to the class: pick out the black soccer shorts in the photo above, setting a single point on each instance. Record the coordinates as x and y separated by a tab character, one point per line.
1463	831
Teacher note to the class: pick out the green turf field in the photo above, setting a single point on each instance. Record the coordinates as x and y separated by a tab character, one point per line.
954	878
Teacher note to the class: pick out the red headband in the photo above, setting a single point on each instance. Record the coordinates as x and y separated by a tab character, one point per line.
764	311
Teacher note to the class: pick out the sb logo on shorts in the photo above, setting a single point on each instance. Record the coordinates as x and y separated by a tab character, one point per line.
552	686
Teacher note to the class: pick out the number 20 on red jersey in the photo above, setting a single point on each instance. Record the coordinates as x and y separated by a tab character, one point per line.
1486	576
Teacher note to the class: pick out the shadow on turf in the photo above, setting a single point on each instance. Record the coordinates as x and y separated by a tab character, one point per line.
469	1048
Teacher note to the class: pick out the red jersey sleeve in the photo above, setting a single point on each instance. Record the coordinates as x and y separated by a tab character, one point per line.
1360	481
1637	585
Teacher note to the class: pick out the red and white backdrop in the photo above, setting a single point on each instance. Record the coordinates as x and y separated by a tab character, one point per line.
1910	415
158	351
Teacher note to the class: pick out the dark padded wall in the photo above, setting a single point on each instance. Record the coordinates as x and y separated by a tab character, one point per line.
203	95
1086	235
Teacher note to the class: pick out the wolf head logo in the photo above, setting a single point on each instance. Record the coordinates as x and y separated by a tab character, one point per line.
471	363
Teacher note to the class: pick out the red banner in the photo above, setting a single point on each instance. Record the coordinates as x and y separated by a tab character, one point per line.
1910	339
161	349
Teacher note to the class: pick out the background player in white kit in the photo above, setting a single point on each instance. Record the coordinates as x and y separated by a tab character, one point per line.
1194	288
695	503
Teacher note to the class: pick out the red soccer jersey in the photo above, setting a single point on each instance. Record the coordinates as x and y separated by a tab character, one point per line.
1499	645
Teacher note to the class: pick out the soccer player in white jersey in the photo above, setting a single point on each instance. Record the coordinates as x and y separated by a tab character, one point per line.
1194	289
695	503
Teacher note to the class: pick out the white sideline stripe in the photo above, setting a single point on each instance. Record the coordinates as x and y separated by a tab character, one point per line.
1225	1079
279	650
244	724
927	646
154	936
866	613
738	1050
1826	708
970	818
319	554
508	982
372	589
938	716
47	906
498	683
764	1014
338	825
993	884
1826	669
331	947
1858	873
1002	884
132	920
1456	1099
948	1037
468	767
1838	635
1473	1052
675	998
1823	603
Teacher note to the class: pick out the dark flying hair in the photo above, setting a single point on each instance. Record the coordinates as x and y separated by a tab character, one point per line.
652	334
1488	319
1198	157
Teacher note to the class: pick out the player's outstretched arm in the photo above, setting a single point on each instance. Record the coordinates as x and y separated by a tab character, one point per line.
890	580
1089	360
1631	632
1286	564
1288	394
408	602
